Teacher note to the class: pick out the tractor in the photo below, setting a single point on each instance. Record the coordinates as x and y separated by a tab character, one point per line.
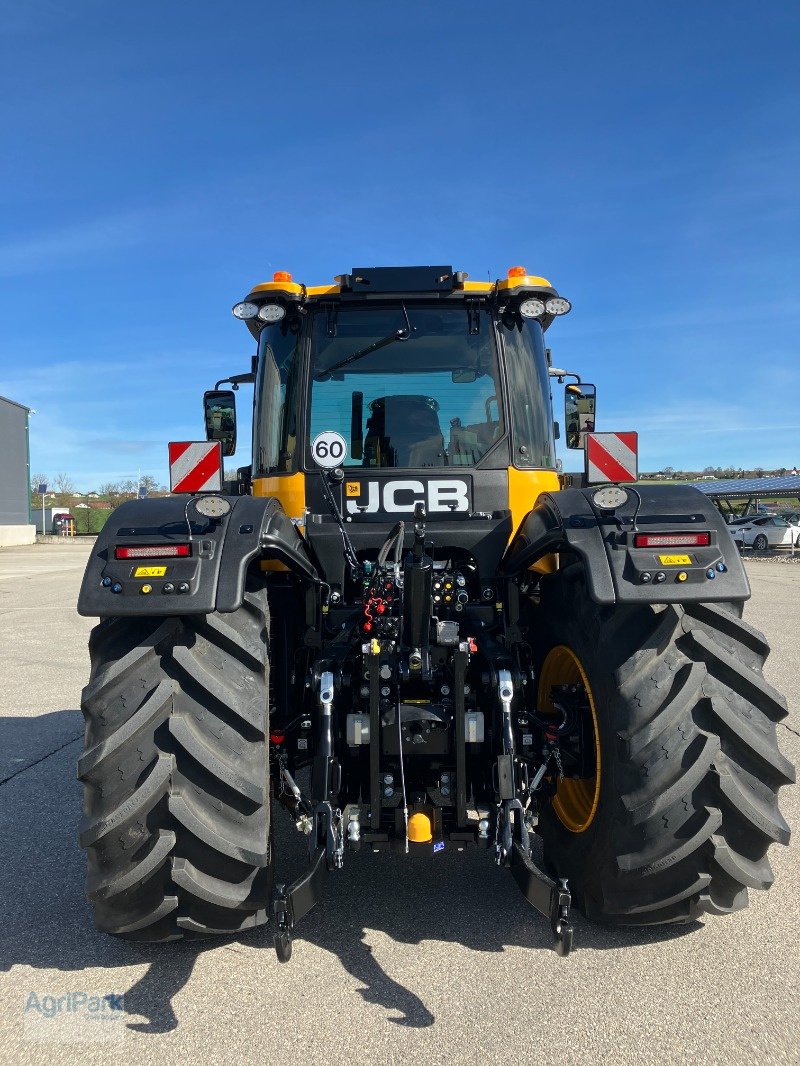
402	623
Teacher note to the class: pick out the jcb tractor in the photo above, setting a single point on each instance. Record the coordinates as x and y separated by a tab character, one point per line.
405	626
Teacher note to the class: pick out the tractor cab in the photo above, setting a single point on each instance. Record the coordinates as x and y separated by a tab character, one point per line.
415	386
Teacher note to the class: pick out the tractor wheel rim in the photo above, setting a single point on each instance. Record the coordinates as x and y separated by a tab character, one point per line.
576	799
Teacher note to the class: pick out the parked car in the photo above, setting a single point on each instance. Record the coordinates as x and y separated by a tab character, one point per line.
766	531
743	519
792	517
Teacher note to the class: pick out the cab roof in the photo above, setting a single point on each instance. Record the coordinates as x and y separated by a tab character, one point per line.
365	283
400	280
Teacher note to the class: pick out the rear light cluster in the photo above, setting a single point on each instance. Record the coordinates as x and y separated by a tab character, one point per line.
154	551
671	540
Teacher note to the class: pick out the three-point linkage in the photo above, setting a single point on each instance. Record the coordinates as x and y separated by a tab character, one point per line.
512	841
324	825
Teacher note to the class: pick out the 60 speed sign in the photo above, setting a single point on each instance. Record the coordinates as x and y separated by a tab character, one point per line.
329	449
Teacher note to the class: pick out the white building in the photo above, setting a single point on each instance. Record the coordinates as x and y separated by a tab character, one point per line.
15	516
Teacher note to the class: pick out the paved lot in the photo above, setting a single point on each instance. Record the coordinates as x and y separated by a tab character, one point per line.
427	961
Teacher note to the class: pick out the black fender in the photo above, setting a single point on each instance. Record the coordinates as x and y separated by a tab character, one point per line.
616	570
211	578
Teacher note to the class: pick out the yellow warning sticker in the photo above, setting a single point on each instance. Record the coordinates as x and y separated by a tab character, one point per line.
149	571
353	488
675	560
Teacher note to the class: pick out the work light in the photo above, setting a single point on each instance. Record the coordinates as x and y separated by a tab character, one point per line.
271	312
531	308
245	310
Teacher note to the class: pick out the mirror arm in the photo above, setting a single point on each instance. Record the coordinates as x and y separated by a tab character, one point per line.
556	372
235	380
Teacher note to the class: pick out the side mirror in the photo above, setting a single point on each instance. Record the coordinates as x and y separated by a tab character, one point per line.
580	403
219	408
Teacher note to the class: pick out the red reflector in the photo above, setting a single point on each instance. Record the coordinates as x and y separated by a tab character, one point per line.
153	551
671	540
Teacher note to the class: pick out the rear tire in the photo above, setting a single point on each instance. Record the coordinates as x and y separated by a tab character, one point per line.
690	766
175	770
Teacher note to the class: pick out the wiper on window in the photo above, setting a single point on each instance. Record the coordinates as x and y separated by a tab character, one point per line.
398	335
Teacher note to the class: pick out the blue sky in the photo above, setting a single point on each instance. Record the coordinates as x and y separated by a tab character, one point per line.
160	158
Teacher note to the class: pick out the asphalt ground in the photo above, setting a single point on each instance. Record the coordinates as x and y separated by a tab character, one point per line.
435	961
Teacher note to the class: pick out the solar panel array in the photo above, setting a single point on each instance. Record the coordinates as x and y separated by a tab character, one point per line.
744	488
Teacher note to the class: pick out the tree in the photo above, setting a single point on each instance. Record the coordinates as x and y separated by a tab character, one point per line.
37	480
109	488
148	482
64	484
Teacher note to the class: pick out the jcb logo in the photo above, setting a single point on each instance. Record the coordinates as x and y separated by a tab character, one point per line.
440	495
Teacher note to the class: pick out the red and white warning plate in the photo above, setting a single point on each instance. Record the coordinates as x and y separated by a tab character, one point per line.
612	457
195	466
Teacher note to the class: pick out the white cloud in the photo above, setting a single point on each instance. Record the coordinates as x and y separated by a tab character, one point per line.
33	252
693	434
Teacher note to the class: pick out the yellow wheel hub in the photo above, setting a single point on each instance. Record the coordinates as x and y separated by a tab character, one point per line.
576	799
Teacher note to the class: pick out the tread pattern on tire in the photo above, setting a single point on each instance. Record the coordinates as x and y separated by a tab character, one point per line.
689	802
175	771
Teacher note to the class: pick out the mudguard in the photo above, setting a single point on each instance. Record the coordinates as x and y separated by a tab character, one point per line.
616	570
212	576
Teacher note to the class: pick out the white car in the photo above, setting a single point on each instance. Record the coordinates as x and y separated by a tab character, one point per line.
744	521
766	531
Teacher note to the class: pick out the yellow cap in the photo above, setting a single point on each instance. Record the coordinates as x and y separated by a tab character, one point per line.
420	830
146	588
682	575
